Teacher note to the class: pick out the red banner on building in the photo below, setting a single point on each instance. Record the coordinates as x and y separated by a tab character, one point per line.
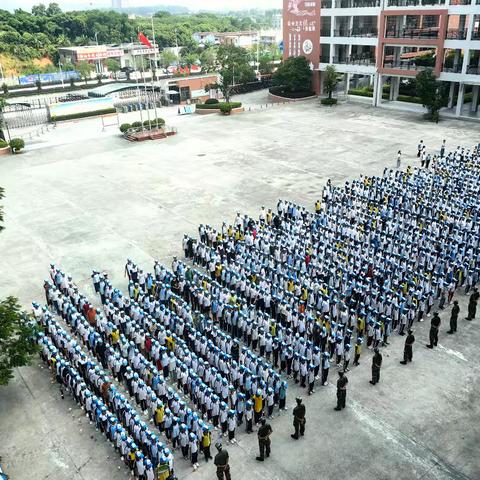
301	30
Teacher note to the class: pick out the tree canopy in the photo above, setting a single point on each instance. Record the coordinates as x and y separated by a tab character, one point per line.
294	75
432	93
234	68
330	80
16	332
36	34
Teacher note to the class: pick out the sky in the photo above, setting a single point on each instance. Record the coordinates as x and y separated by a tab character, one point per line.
191	4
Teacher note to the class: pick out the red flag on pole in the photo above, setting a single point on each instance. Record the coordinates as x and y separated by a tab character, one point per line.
144	40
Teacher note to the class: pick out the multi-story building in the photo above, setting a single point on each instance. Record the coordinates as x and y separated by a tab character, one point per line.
374	42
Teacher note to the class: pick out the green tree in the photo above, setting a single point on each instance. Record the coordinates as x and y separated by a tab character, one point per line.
208	60
265	63
53	9
330	80
234	69
113	66
16	332
39	10
167	58
294	75
432	93
84	69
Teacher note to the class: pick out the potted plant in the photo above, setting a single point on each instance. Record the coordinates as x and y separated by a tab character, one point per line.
16	144
4	147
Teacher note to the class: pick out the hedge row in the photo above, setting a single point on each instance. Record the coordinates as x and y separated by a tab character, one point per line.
283	92
160	122
73	116
218	106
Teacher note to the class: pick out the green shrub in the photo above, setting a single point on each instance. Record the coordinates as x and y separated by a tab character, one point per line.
328	101
136	124
3	144
407	98
73	116
217	106
124	127
212	101
146	123
361	92
226	108
16	144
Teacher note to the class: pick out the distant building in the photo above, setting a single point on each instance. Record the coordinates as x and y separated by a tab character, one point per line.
128	54
240	39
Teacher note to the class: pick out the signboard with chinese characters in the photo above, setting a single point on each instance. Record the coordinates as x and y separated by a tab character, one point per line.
92	55
301	30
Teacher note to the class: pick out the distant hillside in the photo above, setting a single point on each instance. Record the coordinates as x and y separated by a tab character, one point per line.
173	9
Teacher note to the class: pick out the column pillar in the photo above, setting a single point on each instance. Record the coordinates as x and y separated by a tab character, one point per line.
451	94
474	104
377	90
461	91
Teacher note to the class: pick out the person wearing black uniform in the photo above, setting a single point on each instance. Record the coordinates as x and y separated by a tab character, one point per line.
434	326
264	433
341	391
376	365
221	462
408	348
454	317
299	419
472	304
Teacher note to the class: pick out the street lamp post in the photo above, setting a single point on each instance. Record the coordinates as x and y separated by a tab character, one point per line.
98	60
61	74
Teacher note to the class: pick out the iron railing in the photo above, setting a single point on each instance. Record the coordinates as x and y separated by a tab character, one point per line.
356	32
412	33
456	34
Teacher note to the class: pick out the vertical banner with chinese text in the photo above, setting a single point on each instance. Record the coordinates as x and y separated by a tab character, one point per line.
301	30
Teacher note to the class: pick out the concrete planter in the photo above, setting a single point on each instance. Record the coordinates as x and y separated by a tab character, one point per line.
5	151
207	111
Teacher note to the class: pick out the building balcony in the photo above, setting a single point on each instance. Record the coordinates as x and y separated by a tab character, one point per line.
476	35
407	65
356	32
357	3
427	33
454	69
473	70
414	3
365	61
456	34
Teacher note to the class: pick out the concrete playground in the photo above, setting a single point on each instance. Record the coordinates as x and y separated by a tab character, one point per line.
83	198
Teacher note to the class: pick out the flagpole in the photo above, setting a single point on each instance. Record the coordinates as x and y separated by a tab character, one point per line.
136	80
153	76
145	87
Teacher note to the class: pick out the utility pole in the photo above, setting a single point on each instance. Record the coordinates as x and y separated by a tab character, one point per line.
98	60
154	93
61	74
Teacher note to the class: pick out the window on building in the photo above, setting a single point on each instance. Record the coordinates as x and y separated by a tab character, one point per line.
184	94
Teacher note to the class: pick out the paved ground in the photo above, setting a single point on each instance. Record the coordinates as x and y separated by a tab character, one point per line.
87	199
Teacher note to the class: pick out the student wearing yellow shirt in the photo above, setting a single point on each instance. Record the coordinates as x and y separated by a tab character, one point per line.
159	414
257	406
206	442
358	351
